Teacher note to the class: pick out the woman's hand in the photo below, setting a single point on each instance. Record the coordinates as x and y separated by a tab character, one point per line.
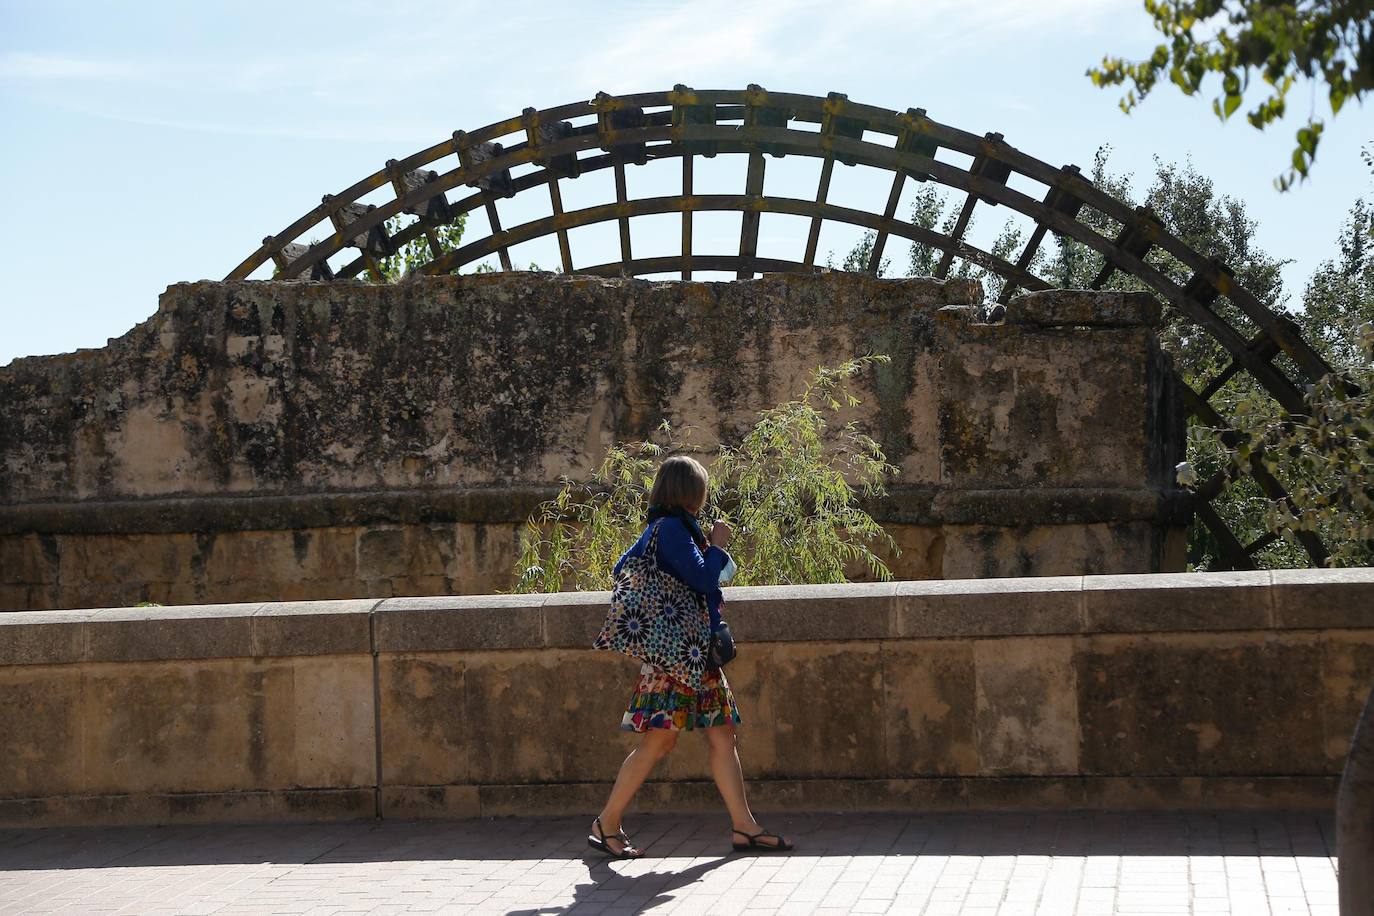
720	535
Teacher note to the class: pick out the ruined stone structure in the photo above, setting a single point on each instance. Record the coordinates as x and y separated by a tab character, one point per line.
1189	691
274	441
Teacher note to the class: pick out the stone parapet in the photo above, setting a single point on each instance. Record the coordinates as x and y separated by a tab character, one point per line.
1198	690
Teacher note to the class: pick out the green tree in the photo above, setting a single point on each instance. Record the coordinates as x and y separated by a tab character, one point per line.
1339	298
418	252
791	488
1321	454
859	256
1324	456
926	211
1327	42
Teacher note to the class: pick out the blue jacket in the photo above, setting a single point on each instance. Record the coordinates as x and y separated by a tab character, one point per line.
679	556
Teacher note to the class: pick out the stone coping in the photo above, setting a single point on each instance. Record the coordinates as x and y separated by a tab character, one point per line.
513	504
1302	599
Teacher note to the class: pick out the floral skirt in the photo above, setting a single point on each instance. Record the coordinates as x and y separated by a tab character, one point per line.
659	701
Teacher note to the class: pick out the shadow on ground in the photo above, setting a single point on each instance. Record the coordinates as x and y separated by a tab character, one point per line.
674	836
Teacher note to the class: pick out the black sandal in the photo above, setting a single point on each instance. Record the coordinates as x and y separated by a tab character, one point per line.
781	846
599	843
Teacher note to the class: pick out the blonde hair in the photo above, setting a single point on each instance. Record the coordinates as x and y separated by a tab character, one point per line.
680	483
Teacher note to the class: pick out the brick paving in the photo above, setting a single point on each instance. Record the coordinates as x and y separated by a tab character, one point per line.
1052	864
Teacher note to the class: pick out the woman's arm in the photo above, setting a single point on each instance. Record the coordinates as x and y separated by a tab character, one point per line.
681	556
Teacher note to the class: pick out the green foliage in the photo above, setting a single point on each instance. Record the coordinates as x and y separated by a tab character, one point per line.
925	213
1322	456
790	488
1327	41
859	256
1325	457
788	485
1339	298
419	251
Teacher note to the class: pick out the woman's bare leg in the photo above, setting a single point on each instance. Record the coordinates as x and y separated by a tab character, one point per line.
729	777
653	747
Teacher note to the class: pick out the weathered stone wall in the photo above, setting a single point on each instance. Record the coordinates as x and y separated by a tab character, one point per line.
268	441
1168	691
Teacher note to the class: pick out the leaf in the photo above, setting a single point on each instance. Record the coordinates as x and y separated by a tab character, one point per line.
1307	140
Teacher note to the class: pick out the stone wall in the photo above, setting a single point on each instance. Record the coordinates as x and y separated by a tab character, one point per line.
268	441
1168	691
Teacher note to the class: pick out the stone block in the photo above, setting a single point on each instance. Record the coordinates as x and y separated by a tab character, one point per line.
928	794
1061	793
79	593
966	314
306	805
819	730
28	559
1178	601
185	631
333	740
1322	598
755	692
410	550
443	624
791	795
120	810
188	727
20	598
126	559
988	551
1027	707
195	808
811	612
1347	673
555	800
418	586
1081	307
698	796
1201	704
929	708
326	805
1046	409
517	701
1142	793
922	553
485	557
426	733
313	628
422	802
40	721
43	637
990	607
573	619
252	556
330	554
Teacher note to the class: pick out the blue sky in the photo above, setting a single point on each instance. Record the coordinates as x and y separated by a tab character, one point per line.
150	143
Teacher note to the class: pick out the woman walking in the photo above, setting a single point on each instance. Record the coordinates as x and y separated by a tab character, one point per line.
661	706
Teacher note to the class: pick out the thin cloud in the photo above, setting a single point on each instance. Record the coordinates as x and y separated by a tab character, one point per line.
27	66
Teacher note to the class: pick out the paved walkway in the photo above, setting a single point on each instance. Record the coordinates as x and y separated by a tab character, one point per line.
1053	864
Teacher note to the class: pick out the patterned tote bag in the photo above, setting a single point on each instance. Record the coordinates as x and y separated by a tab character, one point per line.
656	618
